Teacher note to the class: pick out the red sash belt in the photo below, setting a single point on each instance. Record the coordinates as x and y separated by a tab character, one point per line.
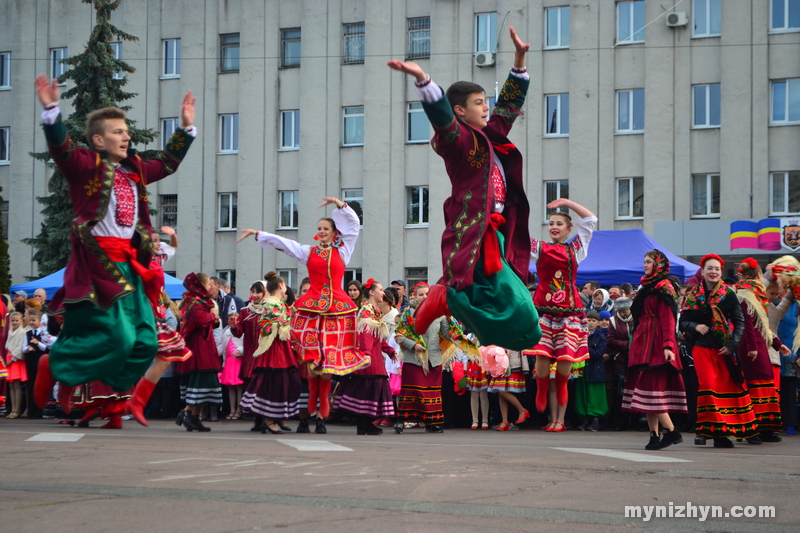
492	255
122	251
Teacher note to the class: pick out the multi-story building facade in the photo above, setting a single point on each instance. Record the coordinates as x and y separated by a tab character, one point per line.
675	121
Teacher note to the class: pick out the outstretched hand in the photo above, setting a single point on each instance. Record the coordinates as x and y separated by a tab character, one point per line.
561	202
187	110
245	234
520	47
168	230
331	200
409	68
47	90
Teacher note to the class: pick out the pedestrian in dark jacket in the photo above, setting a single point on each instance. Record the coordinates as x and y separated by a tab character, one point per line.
590	393
616	359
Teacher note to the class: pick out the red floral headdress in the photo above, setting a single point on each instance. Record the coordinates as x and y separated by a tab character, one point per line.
420	284
752	263
368	283
711	256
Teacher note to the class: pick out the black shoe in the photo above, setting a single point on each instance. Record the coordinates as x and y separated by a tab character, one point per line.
266	428
365	428
398	428
700	440
192	422
373	427
655	440
285	428
722	443
669	438
770	436
180	418
302	427
755	440
321	429
434	429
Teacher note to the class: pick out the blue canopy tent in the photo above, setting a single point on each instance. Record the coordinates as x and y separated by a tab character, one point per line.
617	256
54	281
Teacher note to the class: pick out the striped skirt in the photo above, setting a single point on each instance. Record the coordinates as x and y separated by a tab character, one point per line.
420	398
362	395
654	390
477	378
171	346
512	383
328	342
198	388
766	405
563	338
273	393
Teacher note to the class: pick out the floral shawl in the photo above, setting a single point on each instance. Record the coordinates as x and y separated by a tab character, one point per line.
274	322
753	293
705	301
370	320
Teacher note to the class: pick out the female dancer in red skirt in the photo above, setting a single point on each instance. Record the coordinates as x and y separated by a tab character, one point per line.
723	404
654	385
324	325
557	299
753	353
365	393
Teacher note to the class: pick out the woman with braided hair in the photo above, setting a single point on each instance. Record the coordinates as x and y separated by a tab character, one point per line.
712	321
753	354
654	385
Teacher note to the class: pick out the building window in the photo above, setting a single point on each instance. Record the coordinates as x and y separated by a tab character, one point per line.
419	37
415	275
4	218
784	188
485	32
556	31
227	211
706	18
353	43
288	275
353	126
172	58
556	115
786	101
706	106
116	49
630	22
288	210
229	133
349	275
290	129
417	206
290	48
705	195
490	101
169	209
785	15
57	68
553	190
5	70
355	199
230	277
630	197
168	127
5	145
229	52
630	111
419	129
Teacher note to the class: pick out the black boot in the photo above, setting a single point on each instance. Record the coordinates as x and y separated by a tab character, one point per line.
192	422
722	442
669	438
770	436
655	440
365	428
321	429
302	427
398	428
258	424
181	418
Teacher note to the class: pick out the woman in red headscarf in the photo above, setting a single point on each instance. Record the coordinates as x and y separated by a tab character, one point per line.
712	321
753	353
654	385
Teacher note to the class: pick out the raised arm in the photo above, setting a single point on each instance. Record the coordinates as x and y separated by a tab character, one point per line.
570	204
271	241
347	224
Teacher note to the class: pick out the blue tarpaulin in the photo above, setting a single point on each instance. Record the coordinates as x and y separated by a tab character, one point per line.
617	256
54	281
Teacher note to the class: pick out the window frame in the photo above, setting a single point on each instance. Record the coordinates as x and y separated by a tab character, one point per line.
174	63
288	275
410	111
559	116
167	130
785	28
634	31
350	274
786	212
424	214
295	135
163	204
788	82
116	49
348	38
631	110
4	217
287	40
5	71
233	212
230	277
709	179
57	68
223	47
5	145
491	27
234	133
355	198
294	196
560	33
352	116
631	199
412	40
708	13
559	194
708	107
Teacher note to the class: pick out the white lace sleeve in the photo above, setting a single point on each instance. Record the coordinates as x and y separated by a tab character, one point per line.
348	224
287	246
585	228
536	249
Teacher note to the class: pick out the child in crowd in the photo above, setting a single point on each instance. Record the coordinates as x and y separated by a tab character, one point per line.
37	343
478	385
590	388
15	360
230	349
506	386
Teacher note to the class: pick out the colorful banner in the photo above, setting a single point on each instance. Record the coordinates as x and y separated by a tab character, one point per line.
767	234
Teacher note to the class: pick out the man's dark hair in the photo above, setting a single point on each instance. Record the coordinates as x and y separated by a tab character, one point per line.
626	288
595	285
458	93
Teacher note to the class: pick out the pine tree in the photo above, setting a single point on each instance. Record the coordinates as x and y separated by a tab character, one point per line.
5	259
95	87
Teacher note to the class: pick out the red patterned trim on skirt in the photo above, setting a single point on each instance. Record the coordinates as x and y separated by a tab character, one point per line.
420	398
766	405
328	342
563	338
513	383
171	346
656	390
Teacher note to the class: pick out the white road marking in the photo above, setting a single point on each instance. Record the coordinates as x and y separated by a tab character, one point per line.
173	478
182	459
314	445
627	456
56	437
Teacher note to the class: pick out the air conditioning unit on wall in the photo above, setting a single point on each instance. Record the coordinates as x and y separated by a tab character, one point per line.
677	19
484	59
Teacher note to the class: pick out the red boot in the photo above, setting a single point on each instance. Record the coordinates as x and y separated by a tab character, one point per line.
64	397
141	394
44	382
434	306
324	402
542	386
313	392
91	413
113	410
561	388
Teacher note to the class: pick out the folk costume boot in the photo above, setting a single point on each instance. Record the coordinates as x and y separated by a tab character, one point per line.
542	386
65	398
91	414
655	440
313	392
141	395
434	306
44	382
113	411
561	388
324	398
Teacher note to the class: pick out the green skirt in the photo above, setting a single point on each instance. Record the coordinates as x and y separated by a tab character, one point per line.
498	309
590	398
